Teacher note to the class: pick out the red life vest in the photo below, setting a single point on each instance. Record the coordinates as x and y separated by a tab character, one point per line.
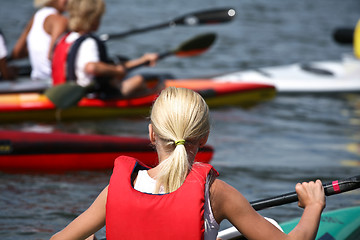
131	214
58	63
64	57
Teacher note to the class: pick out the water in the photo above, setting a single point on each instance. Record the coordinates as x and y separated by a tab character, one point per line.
262	151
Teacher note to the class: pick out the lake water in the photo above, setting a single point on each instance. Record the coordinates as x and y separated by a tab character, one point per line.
262	151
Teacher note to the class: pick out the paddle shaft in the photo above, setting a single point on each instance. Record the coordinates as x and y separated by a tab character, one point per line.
69	94
335	187
212	16
160	56
25	70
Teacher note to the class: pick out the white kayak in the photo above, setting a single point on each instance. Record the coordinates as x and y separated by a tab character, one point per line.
232	233
24	84
314	77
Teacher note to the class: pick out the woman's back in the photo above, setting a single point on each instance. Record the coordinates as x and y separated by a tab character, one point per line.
175	215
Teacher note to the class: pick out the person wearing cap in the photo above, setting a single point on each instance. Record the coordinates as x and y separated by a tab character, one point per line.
40	35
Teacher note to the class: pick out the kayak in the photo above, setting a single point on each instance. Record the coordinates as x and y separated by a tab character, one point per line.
310	78
341	224
57	152
36	106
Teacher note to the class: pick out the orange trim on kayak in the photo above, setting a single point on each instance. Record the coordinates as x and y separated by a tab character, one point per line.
15	102
36	106
220	88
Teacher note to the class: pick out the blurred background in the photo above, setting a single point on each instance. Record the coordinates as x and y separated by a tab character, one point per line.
262	151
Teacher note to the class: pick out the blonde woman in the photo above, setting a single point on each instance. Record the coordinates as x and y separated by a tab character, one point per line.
40	35
80	56
180	199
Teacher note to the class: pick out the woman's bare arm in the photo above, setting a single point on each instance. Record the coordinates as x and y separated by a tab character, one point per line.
20	48
55	25
89	222
228	203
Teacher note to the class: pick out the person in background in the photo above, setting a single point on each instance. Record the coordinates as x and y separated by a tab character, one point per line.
180	198
80	56
6	72
40	35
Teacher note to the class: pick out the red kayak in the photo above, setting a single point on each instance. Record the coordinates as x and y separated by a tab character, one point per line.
57	152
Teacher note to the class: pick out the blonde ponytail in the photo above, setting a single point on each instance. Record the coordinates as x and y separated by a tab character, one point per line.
173	170
179	117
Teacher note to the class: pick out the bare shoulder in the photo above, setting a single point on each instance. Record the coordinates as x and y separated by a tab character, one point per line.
218	187
55	25
225	200
224	191
56	20
59	17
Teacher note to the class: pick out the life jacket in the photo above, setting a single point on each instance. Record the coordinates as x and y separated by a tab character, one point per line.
64	57
131	214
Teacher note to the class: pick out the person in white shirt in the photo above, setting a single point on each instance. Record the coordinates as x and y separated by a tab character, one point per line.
40	35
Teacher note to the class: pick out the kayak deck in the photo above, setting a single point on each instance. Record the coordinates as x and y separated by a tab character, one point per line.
341	224
315	77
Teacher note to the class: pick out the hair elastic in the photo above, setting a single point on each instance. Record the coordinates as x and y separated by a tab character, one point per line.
180	142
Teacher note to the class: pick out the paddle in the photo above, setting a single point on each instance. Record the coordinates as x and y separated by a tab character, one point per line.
212	16
203	17
192	47
344	35
335	187
68	94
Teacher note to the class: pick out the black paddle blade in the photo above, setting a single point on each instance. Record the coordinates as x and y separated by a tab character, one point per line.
192	47
65	95
213	16
344	36
196	45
